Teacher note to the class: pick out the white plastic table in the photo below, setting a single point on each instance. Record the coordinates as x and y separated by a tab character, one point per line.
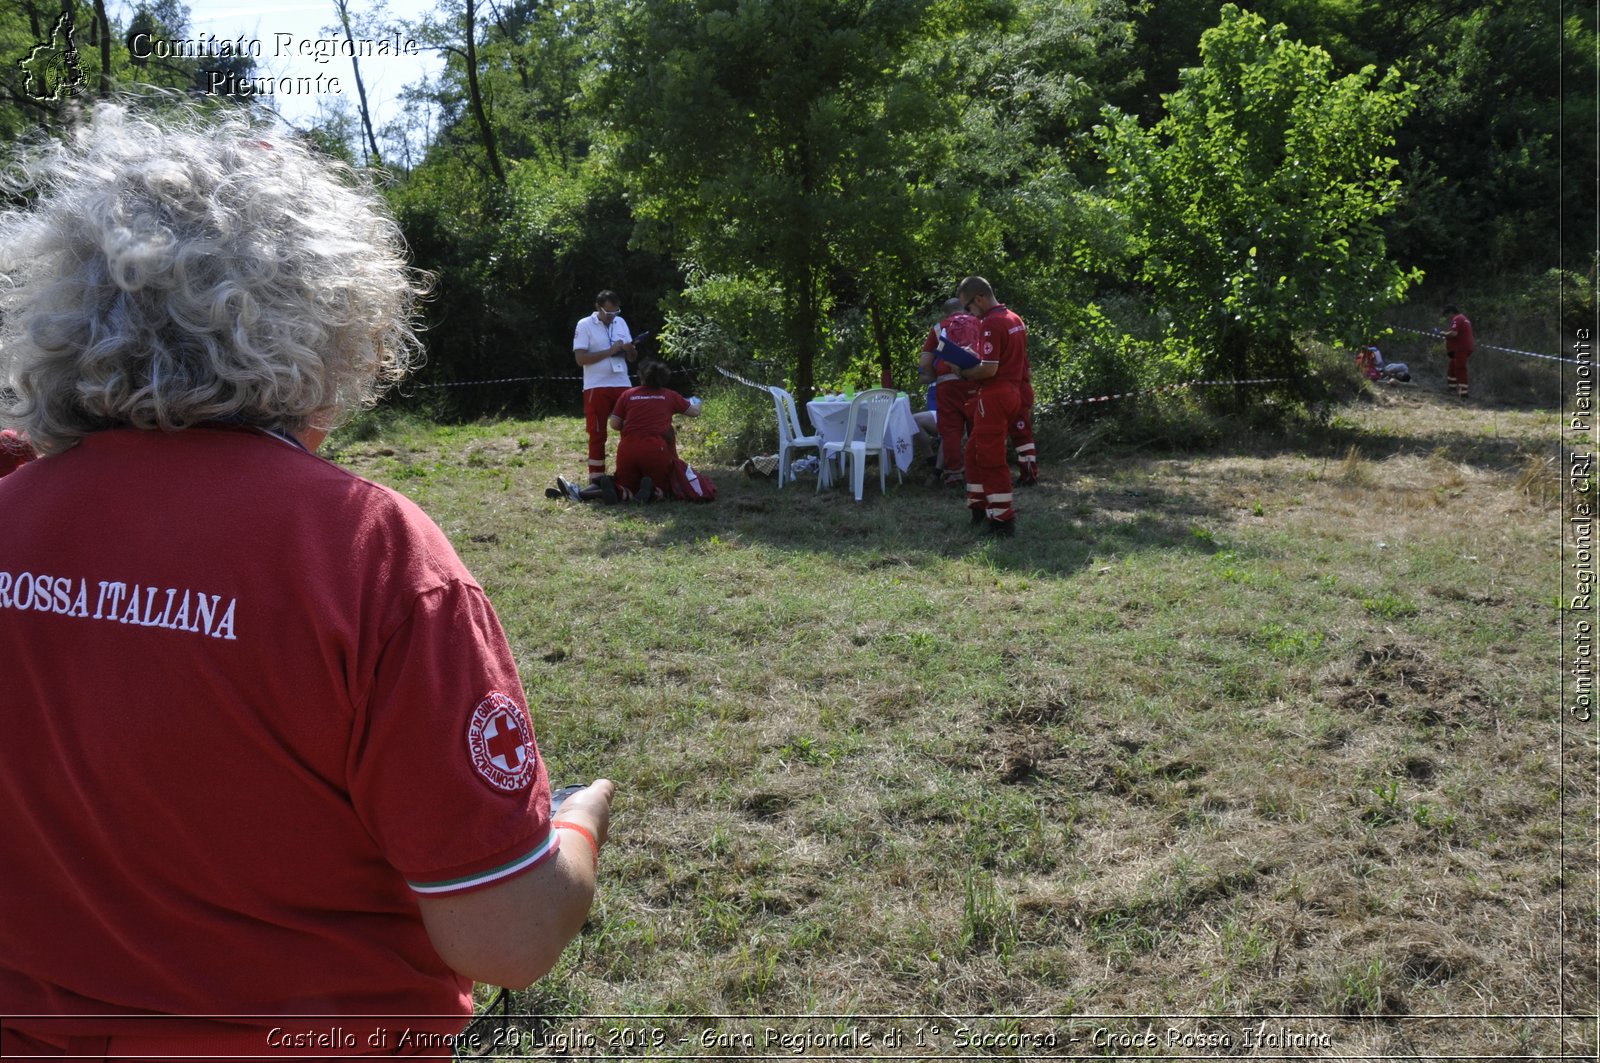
830	412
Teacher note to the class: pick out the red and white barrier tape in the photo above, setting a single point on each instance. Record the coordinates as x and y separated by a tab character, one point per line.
1489	346
1064	402
1161	390
501	380
1077	402
735	377
505	380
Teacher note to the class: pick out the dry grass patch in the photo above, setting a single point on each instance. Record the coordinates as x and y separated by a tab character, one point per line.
1253	733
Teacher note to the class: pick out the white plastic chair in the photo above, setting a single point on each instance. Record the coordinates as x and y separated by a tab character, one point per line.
872	407
791	436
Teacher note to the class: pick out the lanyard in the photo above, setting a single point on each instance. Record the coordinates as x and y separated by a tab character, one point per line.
286	437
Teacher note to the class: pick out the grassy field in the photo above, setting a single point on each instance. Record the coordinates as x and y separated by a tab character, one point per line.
1253	751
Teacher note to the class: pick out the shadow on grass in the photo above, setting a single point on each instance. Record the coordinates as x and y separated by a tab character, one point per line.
1421	421
1467	444
1088	511
1061	529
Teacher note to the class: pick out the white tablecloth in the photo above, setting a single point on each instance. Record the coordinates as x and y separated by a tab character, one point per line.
830	412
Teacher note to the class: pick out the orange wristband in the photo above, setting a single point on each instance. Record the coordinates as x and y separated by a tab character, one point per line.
594	846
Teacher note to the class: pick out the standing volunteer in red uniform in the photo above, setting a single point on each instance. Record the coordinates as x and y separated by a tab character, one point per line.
951	392
268	770
643	417
995	406
1459	346
603	345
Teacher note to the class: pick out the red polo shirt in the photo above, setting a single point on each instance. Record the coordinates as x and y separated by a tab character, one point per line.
1461	342
648	411
1003	338
252	707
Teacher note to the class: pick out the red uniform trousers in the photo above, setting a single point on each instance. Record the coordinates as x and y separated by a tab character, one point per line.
597	406
1455	377
994	409
1021	435
639	456
950	397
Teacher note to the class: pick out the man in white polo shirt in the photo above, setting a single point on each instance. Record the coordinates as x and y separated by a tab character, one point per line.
603	345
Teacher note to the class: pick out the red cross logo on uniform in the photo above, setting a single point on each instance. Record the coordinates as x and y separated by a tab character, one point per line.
504	741
500	743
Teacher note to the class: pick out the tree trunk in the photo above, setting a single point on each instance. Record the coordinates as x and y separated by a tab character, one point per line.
104	31
1234	362
804	332
885	358
477	95
812	261
343	7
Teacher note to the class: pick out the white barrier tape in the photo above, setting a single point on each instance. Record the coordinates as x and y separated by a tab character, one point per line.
1157	391
501	380
1075	402
1436	334
506	380
739	379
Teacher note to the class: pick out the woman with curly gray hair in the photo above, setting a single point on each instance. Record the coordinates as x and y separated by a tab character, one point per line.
267	753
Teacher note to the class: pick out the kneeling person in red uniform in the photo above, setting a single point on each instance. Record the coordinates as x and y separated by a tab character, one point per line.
643	417
996	405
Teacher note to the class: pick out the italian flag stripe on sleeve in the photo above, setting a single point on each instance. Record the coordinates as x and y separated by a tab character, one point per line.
546	847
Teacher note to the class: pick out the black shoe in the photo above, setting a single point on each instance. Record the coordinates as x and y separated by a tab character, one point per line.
978	516
568	488
1028	481
554	492
608	490
647	491
1001	529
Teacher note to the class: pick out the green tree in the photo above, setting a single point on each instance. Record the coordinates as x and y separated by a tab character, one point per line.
1499	157
1256	200
57	55
1032	79
779	141
536	54
512	88
519	250
170	20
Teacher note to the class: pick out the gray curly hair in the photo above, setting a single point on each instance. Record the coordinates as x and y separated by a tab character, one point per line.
176	271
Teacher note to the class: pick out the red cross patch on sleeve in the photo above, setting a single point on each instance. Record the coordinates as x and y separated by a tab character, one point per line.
500	743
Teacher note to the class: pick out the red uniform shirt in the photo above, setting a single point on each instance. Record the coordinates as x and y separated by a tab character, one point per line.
648	411
1461	342
1003	338
253	705
960	328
